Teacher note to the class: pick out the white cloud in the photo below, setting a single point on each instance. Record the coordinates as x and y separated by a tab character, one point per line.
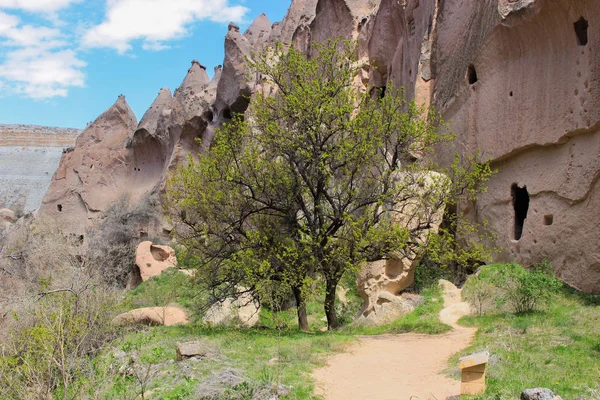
155	21
36	61
36	5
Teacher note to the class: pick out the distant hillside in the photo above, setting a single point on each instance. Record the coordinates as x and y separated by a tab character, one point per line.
29	156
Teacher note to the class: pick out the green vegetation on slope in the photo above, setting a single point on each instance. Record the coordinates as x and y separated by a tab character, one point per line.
556	346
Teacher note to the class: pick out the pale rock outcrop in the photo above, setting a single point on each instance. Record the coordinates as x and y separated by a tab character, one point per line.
234	89
7	219
7	216
97	172
381	282
258	33
152	260
518	79
153	316
243	311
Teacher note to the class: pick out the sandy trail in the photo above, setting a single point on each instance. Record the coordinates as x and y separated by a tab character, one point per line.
398	367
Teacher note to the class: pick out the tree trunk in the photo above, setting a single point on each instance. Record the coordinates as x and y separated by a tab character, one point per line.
332	321
301	306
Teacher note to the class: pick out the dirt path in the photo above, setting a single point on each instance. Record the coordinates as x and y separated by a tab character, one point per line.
398	367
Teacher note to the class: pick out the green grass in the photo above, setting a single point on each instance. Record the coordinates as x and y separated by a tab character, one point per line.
556	347
425	319
265	356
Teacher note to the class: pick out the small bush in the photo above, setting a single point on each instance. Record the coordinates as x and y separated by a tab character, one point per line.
510	285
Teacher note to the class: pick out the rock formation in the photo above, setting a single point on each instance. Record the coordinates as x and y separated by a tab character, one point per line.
151	261
29	156
380	283
153	316
517	78
243	311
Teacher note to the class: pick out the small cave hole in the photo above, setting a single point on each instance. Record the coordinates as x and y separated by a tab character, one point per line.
208	116
511	94
59	207
520	200
382	91
548	219
471	74
227	113
581	30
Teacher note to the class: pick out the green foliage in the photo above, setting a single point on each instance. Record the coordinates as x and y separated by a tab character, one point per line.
172	286
52	355
522	290
309	184
554	347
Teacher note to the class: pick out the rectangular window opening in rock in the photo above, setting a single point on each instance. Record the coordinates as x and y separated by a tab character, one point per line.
520	200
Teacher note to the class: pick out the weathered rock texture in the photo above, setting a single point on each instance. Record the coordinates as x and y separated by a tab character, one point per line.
151	260
29	156
519	79
380	283
153	316
243	311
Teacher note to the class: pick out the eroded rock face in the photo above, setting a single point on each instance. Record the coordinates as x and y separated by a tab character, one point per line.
380	283
518	79
243	311
153	316
151	261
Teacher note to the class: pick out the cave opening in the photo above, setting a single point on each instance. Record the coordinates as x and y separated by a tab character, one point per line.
59	207
581	30
520	200
227	113
382	91
548	219
471	74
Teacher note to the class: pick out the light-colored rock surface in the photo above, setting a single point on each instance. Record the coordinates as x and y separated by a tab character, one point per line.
399	367
151	260
29	156
539	394
243	311
534	109
191	349
381	282
153	316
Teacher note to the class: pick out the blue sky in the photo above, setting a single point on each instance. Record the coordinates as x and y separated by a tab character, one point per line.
63	62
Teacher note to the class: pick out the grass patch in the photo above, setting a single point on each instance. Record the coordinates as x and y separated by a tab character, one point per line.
556	347
425	319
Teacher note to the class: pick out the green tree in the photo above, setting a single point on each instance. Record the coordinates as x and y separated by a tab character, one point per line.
317	178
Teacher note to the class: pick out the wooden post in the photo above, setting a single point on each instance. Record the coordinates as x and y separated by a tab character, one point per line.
473	373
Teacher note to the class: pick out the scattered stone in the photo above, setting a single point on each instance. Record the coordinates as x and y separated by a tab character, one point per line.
192	350
539	394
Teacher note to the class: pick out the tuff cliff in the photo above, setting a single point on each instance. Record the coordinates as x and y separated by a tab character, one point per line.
29	156
518	79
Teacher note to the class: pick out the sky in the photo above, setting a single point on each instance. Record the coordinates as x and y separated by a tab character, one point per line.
64	62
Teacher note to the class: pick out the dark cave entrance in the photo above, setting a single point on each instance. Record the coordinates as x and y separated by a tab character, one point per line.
581	30
520	199
471	74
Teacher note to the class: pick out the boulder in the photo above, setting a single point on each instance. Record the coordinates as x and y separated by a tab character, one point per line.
390	307
192	349
151	260
7	217
381	282
243	311
539	394
152	316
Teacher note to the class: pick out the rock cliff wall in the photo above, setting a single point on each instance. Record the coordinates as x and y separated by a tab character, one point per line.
518	79
29	156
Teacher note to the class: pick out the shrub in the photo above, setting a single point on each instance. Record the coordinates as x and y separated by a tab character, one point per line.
522	290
